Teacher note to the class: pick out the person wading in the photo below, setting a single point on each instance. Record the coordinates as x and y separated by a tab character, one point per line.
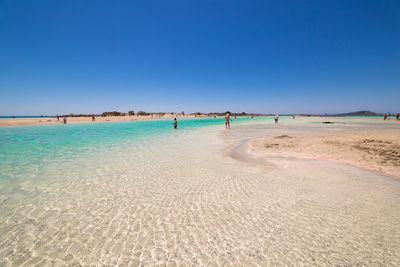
276	118
227	121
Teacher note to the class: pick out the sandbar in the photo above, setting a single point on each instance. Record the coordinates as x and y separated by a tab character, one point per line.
376	150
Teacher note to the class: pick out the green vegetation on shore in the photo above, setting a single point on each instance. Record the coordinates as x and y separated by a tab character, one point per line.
160	114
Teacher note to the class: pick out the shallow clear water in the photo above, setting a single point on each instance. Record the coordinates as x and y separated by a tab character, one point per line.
23	147
142	193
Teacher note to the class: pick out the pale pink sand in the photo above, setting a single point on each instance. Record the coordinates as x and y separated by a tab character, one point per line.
377	150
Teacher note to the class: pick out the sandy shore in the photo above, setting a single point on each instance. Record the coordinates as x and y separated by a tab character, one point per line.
377	150
174	199
33	121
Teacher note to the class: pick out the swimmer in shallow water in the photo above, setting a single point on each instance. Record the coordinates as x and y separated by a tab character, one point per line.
276	117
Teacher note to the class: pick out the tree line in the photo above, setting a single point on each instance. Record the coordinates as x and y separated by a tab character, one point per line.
160	114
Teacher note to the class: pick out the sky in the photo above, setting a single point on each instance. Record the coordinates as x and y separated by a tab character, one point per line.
67	56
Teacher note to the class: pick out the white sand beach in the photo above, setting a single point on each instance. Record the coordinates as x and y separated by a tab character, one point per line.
212	197
199	133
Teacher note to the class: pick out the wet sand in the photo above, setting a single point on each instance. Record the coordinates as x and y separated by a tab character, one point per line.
377	150
176	200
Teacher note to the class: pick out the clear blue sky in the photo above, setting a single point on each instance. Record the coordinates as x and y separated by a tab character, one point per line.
255	56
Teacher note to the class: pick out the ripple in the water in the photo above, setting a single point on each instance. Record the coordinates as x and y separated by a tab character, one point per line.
175	199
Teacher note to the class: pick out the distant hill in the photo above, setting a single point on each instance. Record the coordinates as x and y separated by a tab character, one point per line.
362	112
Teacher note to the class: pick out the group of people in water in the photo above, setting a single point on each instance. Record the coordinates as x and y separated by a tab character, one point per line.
228	119
276	118
388	115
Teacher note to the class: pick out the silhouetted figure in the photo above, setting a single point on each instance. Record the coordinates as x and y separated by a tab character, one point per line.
65	120
58	118
175	124
93	118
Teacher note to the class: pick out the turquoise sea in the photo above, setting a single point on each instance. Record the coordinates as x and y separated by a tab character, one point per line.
35	145
139	193
23	146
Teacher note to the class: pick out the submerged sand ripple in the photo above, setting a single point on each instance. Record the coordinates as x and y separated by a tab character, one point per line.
191	206
243	219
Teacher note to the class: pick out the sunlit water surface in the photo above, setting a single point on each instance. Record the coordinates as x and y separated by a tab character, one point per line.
144	193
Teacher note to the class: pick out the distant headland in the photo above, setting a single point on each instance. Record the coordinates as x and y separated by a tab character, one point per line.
362	112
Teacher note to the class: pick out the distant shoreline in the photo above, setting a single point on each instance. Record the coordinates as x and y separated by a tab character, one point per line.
193	115
24	117
53	120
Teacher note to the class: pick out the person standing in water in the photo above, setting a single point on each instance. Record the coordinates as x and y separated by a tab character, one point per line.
175	124
227	121
276	117
65	120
